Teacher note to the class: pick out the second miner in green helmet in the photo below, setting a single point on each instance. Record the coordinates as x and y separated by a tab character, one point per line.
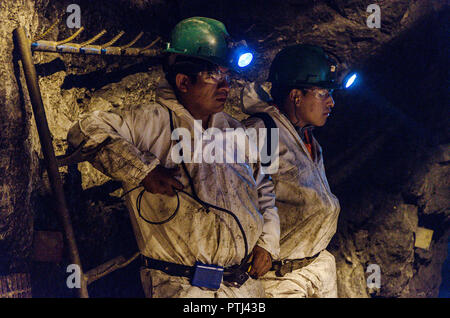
302	78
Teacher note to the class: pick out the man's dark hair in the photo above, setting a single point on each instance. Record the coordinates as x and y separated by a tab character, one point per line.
187	65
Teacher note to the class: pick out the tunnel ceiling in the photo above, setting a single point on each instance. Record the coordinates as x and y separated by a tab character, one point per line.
385	146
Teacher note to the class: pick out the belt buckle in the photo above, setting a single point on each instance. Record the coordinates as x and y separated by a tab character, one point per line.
236	278
285	267
144	261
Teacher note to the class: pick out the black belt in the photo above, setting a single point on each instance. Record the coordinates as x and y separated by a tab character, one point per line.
284	267
232	276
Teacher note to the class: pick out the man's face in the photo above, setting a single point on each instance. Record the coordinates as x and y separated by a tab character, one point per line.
314	107
209	93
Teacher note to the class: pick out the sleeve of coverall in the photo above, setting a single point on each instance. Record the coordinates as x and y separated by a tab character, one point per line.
270	237
119	159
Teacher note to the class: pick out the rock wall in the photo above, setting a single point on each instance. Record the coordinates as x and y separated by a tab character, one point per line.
16	163
385	147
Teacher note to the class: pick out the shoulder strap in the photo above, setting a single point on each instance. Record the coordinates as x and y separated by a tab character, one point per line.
183	165
269	123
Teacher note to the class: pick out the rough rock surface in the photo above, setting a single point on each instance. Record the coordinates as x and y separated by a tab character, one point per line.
386	146
16	163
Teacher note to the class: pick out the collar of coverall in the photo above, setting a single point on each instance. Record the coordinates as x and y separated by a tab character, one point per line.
255	99
307	129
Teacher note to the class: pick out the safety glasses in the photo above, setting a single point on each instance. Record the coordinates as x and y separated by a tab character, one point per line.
320	93
216	76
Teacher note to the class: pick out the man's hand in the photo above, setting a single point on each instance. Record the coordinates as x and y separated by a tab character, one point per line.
262	262
162	180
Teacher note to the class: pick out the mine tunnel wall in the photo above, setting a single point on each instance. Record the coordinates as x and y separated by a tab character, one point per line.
385	147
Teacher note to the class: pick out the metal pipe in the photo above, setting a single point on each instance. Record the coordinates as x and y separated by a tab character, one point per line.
151	44
64	46
113	40
94	38
131	43
24	47
70	38
46	32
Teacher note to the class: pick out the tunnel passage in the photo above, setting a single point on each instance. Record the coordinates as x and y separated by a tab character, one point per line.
385	146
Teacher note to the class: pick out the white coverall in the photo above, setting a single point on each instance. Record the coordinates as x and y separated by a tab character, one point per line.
141	139
307	209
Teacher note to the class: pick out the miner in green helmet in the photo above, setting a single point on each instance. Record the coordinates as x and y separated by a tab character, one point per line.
303	78
202	231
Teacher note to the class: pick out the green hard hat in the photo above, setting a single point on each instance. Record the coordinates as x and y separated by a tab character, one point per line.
203	38
303	65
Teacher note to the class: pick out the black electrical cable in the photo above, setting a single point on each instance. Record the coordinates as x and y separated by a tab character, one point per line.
194	196
130	191
138	206
207	205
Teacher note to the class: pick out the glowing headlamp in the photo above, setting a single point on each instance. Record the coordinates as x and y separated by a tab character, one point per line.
349	80
241	56
245	59
344	78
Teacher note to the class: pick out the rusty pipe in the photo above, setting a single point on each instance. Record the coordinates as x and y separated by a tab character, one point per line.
24	47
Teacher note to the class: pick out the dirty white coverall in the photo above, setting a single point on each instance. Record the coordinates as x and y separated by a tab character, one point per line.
307	209
141	139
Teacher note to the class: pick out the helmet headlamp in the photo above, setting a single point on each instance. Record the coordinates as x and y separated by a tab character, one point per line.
240	54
